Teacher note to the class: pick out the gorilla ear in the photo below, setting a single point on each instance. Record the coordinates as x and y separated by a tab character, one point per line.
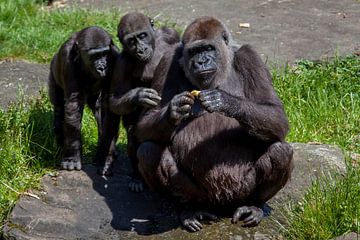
225	36
151	22
76	47
75	53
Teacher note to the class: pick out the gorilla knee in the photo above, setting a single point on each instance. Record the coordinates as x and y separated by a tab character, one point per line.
281	155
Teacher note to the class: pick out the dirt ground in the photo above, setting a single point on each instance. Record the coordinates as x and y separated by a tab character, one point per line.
280	30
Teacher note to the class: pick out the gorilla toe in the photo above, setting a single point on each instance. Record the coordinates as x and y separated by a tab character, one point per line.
250	215
71	163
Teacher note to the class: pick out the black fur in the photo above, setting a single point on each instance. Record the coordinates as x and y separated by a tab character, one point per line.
80	73
144	48
224	148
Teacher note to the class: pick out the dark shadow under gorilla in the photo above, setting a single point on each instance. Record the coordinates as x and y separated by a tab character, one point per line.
80	73
145	50
222	149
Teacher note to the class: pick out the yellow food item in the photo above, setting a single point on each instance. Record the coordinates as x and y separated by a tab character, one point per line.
195	93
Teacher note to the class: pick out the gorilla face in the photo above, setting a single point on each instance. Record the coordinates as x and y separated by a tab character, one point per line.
96	61
201	64
140	45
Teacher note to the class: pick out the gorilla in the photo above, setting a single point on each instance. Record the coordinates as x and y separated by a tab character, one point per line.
220	148
80	73
144	49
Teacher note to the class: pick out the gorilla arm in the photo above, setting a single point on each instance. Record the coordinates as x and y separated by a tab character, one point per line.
159	124
124	99
260	111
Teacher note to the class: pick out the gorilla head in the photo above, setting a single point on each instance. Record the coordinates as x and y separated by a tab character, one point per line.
207	54
94	45
137	35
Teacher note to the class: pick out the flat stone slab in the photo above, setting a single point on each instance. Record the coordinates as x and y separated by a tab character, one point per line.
83	205
281	30
21	79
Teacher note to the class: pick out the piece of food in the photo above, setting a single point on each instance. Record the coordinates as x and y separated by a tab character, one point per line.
195	93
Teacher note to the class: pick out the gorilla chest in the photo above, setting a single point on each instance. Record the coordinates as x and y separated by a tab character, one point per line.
210	136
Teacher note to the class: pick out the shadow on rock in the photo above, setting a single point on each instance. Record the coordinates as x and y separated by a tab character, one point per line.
145	213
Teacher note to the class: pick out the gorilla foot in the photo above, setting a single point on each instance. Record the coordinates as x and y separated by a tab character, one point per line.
191	219
104	170
136	185
71	163
251	216
104	167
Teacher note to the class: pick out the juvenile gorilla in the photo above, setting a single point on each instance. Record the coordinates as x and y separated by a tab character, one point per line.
223	149
144	50
79	74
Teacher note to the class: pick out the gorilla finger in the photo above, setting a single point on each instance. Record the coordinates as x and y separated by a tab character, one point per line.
148	103
151	90
190	228
152	96
185	108
250	223
186	100
196	224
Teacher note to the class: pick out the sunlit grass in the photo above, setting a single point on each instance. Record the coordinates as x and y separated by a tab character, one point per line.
321	100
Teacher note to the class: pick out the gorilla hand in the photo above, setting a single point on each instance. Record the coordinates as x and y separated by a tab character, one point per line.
180	107
191	219
212	100
146	97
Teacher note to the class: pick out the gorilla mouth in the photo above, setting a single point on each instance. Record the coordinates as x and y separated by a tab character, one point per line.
206	73
102	73
144	57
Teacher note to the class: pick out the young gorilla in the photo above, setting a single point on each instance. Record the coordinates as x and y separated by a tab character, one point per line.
79	74
223	149
143	50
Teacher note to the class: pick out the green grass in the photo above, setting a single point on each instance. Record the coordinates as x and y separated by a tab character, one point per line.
28	31
321	99
331	208
33	33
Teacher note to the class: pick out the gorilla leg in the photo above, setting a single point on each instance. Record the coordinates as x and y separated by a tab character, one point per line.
149	155
74	107
273	169
136	184
94	103
56	95
160	171
106	149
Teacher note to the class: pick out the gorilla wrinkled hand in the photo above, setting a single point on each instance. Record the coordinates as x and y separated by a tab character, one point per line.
213	100
180	106
146	97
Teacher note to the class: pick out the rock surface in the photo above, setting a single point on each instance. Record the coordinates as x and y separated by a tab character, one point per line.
83	205
280	30
21	78
349	236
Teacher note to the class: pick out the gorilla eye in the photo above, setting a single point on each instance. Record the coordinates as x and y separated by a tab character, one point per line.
210	48
142	35
131	41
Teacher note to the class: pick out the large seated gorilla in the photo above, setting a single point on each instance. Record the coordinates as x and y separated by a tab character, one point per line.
223	149
145	50
80	73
